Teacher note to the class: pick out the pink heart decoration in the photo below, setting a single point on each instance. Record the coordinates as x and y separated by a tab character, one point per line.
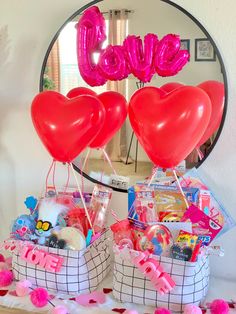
91	299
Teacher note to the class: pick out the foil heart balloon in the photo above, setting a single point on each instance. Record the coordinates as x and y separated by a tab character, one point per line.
169	126
115	106
66	126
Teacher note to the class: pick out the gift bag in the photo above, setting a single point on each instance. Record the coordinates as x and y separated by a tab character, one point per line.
81	271
191	278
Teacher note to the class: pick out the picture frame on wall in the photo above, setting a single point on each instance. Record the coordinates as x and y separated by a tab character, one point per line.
204	50
185	44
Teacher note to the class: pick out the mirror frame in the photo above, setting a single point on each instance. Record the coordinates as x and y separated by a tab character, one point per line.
223	70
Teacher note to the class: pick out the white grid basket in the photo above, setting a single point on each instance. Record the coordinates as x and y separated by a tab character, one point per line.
81	271
192	281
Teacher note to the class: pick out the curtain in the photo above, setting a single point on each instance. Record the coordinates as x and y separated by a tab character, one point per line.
53	66
118	21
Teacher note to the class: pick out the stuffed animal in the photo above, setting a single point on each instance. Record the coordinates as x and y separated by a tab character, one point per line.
49	210
24	226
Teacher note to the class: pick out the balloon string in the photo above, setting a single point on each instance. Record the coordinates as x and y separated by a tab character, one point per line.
103	170
53	175
49	171
86	159
115	216
180	188
200	154
183	178
68	178
83	167
153	176
81	175
82	198
109	161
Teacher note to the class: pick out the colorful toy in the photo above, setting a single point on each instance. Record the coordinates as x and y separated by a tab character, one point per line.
157	240
49	211
23	227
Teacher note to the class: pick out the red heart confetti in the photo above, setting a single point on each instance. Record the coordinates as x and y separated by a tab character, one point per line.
13	293
118	310
72	299
3	293
92	301
107	290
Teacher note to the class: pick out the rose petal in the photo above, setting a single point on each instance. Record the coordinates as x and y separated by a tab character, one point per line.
92	301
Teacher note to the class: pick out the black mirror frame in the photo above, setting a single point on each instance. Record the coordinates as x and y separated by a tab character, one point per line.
223	70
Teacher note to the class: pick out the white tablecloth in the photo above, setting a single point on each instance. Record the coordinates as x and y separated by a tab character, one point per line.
219	289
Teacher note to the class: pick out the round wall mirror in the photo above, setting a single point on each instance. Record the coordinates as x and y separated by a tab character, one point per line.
124	17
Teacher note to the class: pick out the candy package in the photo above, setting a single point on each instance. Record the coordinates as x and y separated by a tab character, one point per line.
99	207
203	226
186	247
211	206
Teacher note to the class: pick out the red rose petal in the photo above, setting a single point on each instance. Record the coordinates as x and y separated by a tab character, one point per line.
3	292
118	310
92	301
107	290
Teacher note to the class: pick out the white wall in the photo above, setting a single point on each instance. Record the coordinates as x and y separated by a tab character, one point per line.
25	32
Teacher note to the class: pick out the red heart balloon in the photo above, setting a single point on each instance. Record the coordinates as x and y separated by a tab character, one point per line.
169	87
78	91
116	112
216	92
169	126
66	126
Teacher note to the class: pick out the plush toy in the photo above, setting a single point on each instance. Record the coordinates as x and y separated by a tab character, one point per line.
49	211
24	226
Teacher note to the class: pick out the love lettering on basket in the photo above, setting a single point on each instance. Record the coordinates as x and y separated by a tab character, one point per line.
42	258
151	268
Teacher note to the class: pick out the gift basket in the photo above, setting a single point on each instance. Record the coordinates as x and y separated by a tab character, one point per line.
54	246
162	249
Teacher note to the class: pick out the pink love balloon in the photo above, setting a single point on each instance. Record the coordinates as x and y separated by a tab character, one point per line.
91	34
141	58
112	63
169	59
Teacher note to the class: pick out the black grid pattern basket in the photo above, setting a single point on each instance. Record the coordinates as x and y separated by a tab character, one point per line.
81	271
192	281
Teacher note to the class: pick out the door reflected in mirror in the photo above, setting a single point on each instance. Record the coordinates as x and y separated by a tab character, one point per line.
123	18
